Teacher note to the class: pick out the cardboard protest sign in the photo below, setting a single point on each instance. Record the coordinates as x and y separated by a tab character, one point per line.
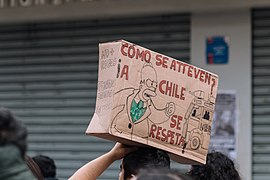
148	98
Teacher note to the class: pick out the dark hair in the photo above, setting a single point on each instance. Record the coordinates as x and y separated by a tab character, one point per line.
144	158
12	131
218	167
46	165
33	167
161	174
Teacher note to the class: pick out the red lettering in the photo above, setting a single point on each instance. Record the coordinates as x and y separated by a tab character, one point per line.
197	72
173	65
179	120
171	89
178	135
168	136
163	134
182	97
158	133
165	60
131	51
171	135
182	141
184	67
207	78
173	121
176	122
123	47
143	55
139	54
176	95
161	83
124	72
152	130
147	56
179	66
174	89
159	60
202	76
168	88
189	73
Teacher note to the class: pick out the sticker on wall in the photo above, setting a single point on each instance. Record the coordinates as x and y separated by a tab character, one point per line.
217	50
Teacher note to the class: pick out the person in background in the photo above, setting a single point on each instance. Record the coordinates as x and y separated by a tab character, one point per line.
34	168
47	166
133	159
161	174
218	167
143	158
13	146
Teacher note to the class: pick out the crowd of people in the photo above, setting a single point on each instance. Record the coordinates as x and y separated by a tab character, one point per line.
154	164
137	162
15	164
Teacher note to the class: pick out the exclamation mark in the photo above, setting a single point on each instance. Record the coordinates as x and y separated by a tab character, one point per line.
118	68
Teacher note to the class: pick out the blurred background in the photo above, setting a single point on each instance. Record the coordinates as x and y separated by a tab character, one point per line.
49	63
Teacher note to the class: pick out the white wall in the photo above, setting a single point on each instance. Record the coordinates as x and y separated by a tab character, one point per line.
236	75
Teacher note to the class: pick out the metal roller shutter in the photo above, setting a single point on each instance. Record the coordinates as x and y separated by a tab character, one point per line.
261	94
48	77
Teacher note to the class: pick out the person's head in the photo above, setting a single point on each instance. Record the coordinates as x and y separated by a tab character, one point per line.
34	168
12	131
161	174
148	83
218	167
46	165
143	158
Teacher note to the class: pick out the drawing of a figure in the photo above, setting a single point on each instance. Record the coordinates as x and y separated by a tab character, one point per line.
134	113
198	120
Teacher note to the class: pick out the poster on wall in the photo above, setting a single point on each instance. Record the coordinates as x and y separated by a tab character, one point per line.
217	50
224	132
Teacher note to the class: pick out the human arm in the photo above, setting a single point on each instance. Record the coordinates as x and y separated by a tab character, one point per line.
96	167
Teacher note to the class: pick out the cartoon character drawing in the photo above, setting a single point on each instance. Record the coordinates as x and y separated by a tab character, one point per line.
198	120
133	115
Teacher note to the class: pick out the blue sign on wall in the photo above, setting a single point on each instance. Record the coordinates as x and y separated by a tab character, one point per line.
217	50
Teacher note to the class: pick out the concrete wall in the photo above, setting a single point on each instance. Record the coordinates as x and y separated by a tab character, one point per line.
236	75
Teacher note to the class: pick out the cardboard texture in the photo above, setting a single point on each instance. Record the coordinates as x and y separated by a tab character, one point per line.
147	98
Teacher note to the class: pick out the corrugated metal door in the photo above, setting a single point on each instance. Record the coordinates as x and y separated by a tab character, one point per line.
48	77
261	94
